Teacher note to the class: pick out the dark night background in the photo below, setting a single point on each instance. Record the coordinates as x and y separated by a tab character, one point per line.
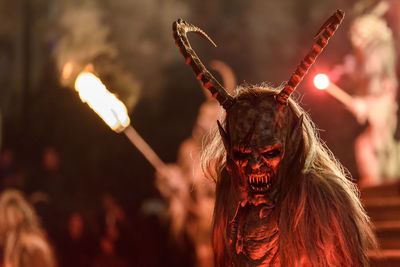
131	46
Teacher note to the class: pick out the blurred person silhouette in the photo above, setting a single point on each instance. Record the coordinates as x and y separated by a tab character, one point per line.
108	255
116	228
23	240
77	247
190	195
11	174
49	192
50	180
7	165
113	217
372	70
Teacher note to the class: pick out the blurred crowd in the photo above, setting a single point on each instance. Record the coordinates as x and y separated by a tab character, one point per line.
44	222
67	227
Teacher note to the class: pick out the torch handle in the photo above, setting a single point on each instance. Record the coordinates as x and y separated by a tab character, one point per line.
339	94
144	148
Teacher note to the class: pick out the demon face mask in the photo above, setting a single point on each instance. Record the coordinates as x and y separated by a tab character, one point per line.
256	142
257	122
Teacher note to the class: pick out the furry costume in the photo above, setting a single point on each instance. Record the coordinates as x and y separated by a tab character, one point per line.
281	198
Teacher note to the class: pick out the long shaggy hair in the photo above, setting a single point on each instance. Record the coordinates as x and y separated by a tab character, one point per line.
21	236
320	218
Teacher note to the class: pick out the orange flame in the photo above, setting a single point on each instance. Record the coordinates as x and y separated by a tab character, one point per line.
93	92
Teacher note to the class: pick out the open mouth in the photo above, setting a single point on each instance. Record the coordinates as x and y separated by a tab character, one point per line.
259	183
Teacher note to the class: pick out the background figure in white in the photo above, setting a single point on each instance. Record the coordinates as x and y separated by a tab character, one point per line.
23	241
191	195
374	67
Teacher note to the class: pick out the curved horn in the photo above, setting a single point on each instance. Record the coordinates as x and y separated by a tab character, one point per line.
323	35
180	29
227	74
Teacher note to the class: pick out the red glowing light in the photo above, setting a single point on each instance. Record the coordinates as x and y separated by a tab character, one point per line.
321	81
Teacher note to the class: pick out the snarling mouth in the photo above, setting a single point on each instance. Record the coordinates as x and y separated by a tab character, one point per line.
259	183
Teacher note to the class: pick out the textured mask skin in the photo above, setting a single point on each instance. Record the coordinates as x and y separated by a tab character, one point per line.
258	136
256	142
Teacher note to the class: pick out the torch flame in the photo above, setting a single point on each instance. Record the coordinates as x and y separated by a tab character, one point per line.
93	92
321	81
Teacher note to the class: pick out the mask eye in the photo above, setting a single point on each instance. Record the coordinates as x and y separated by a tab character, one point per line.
238	155
273	153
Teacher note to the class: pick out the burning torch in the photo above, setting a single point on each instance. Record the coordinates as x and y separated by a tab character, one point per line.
356	105
322	82
114	113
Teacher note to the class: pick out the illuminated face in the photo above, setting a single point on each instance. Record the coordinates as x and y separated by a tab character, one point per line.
257	142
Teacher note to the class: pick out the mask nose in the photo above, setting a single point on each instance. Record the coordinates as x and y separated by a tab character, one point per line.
254	162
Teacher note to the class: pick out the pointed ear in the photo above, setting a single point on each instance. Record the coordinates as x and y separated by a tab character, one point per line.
224	136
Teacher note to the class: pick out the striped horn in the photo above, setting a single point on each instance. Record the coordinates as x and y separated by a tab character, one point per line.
180	29
324	34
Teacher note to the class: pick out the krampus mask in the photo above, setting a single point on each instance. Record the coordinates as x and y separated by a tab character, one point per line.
257	124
